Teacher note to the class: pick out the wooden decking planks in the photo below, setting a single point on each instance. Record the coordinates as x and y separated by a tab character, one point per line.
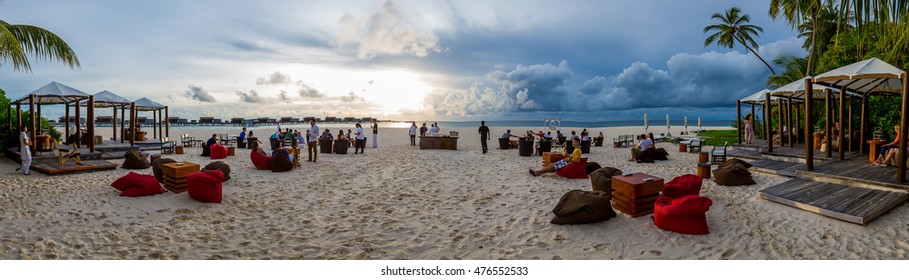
855	171
783	168
742	153
848	203
71	167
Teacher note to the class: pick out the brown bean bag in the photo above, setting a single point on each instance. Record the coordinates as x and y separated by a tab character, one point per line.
281	163
135	160
158	168
601	179
582	207
647	155
219	165
735	174
734	161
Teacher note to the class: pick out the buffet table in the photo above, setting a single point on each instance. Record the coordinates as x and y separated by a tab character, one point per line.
438	142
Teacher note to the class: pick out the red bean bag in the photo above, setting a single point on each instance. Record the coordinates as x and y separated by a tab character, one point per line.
575	170
135	184
260	161
205	186
687	184
685	215
218	151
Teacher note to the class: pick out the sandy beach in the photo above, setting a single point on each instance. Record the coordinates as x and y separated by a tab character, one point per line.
400	202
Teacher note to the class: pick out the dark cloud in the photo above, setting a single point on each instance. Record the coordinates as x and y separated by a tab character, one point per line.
308	91
198	93
276	78
352	97
283	96
251	97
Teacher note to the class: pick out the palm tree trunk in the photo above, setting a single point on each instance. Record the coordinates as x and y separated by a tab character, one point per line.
759	57
811	53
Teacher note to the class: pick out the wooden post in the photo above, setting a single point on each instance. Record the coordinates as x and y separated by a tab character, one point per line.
66	130
789	120
31	126
78	116
828	114
851	112
90	115
753	117
154	124
132	124
38	121
839	137
798	124
904	120
123	123
167	123
809	128
19	122
738	120
113	122
161	123
779	112
862	123
767	114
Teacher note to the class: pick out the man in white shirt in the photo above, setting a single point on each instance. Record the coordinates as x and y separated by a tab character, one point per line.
646	142
413	134
434	130
361	140
313	140
25	150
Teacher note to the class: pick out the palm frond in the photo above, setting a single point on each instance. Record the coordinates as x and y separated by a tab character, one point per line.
44	44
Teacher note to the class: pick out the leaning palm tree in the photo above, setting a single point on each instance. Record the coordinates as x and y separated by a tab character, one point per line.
734	28
794	69
17	42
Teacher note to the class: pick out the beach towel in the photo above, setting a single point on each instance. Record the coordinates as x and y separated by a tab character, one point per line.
687	184
134	184
685	215
281	163
575	170
220	166
582	207
601	179
135	160
158	168
260	161
205	186
218	151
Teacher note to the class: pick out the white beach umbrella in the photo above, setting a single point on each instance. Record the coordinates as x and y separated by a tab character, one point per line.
686	124
667	125
645	123
699	122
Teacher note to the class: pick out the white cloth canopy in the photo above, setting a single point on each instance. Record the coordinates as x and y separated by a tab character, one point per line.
145	104
796	89
758	97
55	93
866	76
106	99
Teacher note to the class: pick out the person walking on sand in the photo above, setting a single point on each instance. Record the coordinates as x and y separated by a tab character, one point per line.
25	150
313	140
375	135
484	135
413	134
361	140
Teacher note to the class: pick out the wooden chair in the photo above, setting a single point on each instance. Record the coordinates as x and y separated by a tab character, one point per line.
187	141
695	146
167	146
718	155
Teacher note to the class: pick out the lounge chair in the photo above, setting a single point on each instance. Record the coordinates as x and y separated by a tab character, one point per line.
187	141
167	146
718	155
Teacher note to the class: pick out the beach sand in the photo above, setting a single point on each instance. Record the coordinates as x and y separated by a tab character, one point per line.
399	202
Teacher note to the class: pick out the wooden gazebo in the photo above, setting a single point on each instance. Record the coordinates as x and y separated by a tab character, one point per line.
54	94
107	99
160	128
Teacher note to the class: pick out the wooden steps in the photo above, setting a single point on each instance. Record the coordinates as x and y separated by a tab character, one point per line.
854	204
52	168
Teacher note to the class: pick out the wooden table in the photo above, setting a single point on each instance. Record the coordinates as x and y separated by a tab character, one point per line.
438	142
634	196
872	149
683	148
549	158
175	175
178	150
231	151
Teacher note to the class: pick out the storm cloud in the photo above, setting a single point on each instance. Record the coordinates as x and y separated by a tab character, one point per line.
198	93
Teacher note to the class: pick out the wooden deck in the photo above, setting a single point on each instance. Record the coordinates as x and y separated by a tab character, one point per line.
782	168
852	172
853	204
52	168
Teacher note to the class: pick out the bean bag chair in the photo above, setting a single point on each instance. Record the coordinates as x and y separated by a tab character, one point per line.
205	186
601	179
220	166
647	155
218	151
687	184
582	207
733	174
591	167
660	154
206	150
280	162
574	170
260	161
735	161
135	160
135	184
158	168
685	215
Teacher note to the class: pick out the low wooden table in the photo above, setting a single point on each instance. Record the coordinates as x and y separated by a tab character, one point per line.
872	149
175	175
438	142
231	151
634	196
549	158
178	150
703	170
683	148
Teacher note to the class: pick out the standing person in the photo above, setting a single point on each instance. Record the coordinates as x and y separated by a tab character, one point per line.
423	130
375	135
361	140
313	140
434	130
25	150
749	129
484	135
413	134
242	137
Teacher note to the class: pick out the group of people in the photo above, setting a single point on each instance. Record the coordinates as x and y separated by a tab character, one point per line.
412	132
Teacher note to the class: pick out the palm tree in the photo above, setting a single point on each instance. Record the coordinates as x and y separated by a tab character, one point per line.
799	13
794	69
735	28
18	41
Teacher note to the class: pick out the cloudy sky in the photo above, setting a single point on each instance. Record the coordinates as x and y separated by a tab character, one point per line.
436	60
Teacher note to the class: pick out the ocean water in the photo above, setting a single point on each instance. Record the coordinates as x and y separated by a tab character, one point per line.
577	124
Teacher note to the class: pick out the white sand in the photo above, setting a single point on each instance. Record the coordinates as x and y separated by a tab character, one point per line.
399	202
